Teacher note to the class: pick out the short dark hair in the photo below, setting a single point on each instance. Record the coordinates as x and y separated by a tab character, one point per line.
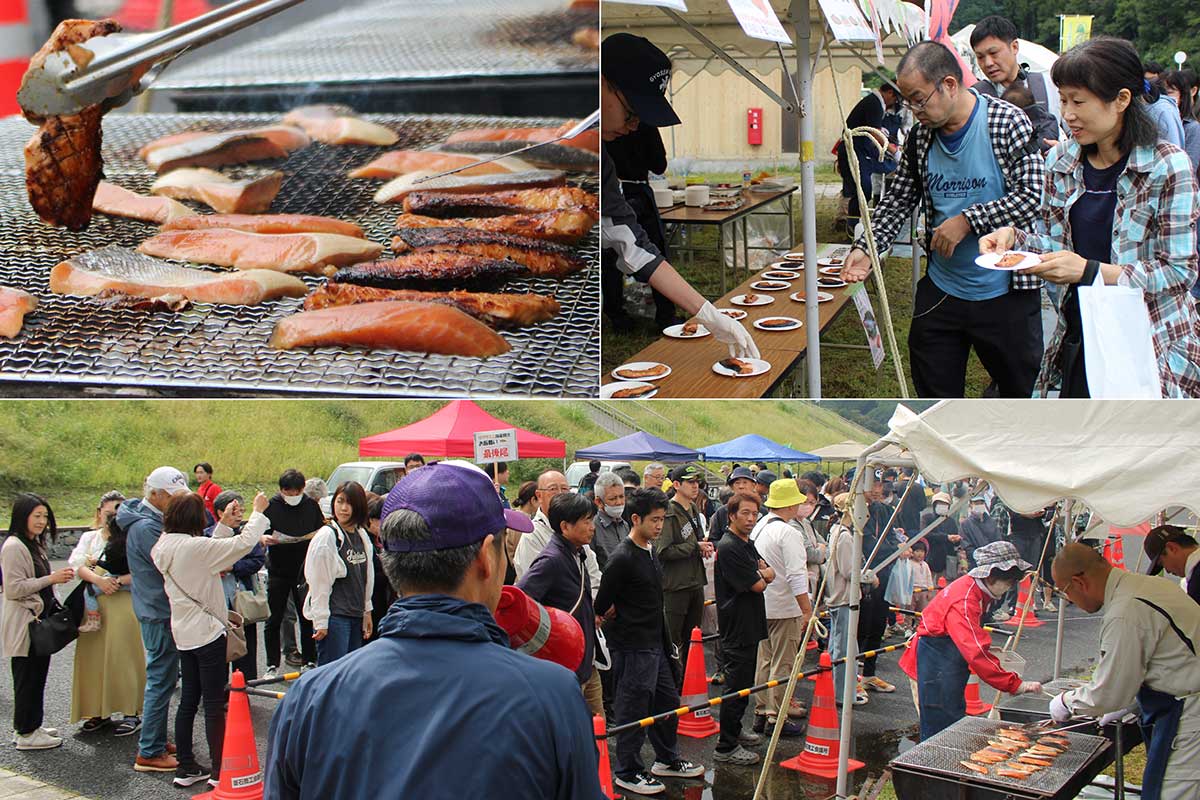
1152	66
375	507
742	497
933	60
761	465
816	476
1019	95
627	475
184	514
204	465
594	465
1104	66
495	468
1181	82
920	545
291	479
809	489
222	501
999	27
356	496
526	493
411	457
569	507
426	571
643	501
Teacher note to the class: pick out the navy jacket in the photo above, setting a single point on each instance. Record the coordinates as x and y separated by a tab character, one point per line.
553	580
143	526
444	703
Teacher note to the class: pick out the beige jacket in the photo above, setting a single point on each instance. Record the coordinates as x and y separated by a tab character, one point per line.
22	603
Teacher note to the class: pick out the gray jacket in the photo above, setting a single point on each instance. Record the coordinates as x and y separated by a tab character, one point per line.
22	603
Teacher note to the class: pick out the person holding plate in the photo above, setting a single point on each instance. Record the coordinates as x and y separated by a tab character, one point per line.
1119	203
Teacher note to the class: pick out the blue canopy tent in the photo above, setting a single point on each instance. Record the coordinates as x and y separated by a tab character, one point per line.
753	447
639	446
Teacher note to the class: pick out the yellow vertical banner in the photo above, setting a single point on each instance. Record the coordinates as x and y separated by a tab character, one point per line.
1073	29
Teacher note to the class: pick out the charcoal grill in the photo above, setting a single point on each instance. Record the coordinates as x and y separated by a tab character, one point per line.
1026	708
494	56
930	770
72	342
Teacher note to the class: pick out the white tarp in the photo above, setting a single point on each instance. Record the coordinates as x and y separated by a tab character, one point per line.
1126	459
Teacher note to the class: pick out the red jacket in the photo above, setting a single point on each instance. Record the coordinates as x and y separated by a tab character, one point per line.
209	491
955	612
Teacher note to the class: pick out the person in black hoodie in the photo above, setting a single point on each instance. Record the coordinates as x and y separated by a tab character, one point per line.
295	518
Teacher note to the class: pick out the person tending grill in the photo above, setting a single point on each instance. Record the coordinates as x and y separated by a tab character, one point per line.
950	642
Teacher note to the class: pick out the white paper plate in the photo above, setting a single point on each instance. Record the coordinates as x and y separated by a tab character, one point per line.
759	365
676	332
634	365
609	389
822	297
771	286
833	272
787	266
763	300
733	313
779	274
794	324
831	261
830	283
795	255
989	260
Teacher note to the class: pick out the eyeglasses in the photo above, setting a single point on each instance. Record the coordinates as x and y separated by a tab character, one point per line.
630	115
915	107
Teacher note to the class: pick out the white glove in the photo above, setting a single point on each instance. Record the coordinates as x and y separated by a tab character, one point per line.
1058	709
727	331
1117	716
1029	687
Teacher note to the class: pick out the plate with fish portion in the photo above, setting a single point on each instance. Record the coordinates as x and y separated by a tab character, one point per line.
641	371
771	286
688	330
780	275
628	390
733	313
777	323
822	297
740	367
1009	260
752	300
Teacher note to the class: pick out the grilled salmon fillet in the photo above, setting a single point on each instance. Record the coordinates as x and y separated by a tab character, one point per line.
265	223
433	272
588	140
543	259
567	227
400	162
14	305
219	192
339	125
496	310
286	252
483	204
120	202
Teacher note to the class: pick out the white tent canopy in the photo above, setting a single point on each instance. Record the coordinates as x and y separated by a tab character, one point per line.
842	451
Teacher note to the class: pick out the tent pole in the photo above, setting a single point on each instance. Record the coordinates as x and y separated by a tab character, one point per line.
1068	526
799	11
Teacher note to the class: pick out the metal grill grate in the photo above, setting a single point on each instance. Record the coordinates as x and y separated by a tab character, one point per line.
940	755
70	340
395	40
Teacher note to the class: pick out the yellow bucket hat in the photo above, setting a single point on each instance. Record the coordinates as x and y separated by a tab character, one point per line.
784	492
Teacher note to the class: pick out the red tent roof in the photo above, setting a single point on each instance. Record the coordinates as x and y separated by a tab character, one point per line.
447	433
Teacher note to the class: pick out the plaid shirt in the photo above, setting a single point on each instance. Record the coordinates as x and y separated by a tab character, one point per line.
1154	244
1015	147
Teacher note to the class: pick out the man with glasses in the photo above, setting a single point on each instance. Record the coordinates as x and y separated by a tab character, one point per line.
971	162
550	484
635	75
1148	651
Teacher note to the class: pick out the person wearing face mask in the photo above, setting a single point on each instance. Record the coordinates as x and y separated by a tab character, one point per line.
611	527
950	642
943	540
978	528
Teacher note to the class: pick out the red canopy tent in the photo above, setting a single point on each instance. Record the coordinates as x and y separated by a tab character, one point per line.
447	433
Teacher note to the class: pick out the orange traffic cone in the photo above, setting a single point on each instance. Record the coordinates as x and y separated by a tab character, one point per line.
1031	621
975	706
602	745
241	779
696	724
821	745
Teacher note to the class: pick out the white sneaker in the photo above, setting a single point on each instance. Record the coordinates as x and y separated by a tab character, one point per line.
642	783
38	740
47	731
271	674
1001	616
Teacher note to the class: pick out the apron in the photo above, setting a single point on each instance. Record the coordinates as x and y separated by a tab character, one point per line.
1159	723
942	675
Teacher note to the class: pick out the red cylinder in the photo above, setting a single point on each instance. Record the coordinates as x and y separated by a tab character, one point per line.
541	631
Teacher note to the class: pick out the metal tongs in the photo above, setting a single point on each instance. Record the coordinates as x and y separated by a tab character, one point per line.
112	69
591	121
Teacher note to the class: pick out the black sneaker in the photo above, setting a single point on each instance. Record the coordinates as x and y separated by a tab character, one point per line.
294	659
642	783
190	774
760	723
679	768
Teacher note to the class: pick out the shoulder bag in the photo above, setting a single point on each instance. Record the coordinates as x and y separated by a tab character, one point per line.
235	634
58	626
251	604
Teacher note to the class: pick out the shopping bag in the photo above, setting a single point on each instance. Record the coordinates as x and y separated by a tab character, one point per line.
1118	348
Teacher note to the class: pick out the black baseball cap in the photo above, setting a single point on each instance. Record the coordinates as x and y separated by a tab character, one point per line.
641	71
1156	542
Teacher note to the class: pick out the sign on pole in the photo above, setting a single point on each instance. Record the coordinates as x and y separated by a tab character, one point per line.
493	446
759	20
1073	29
846	21
1180	57
862	301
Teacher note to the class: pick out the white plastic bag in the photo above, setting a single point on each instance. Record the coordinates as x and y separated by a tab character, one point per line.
1118	350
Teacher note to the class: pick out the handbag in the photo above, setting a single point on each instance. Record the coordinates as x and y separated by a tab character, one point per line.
1118	345
57	627
235	634
92	621
252	604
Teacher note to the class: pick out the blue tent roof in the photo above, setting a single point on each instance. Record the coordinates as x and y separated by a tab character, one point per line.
753	447
639	446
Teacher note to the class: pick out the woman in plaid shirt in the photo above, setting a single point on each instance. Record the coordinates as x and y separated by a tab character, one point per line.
1119	202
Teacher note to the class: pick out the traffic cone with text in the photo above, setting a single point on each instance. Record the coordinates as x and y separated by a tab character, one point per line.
602	745
822	742
1024	607
696	724
241	779
975	706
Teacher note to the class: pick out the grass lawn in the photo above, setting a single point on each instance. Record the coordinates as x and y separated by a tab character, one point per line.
844	373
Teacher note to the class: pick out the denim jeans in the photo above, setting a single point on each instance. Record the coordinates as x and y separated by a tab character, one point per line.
343	635
839	626
162	671
942	675
204	674
645	685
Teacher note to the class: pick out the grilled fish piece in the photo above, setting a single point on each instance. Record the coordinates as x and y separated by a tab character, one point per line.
521	201
122	270
167	302
265	223
400	162
120	202
567	227
286	252
394	325
587	38
974	767
559	155
220	193
217	149
588	140
1009	772
395	190
1008	747
338	125
631	392
544	259
435	272
14	305
742	368
496	310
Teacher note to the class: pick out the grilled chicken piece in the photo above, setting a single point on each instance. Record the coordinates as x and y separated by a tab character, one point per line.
567	227
544	259
484	204
497	310
435	272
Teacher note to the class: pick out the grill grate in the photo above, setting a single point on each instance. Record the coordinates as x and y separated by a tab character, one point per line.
395	40
940	755
70	340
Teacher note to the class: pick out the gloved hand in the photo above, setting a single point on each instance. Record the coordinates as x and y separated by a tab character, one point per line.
1058	709
1118	716
727	331
1029	687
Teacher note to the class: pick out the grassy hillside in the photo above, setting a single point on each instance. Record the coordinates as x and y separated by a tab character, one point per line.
72	451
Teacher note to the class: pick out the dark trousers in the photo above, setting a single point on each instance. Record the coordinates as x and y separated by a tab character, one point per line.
612	291
849	191
204	672
872	622
1005	331
29	687
683	610
248	664
280	586
740	663
644	686
942	675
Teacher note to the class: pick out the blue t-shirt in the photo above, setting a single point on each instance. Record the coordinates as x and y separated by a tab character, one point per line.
963	172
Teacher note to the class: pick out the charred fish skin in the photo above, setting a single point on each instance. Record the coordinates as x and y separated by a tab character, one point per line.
497	310
546	259
433	272
485	204
547	155
564	227
63	169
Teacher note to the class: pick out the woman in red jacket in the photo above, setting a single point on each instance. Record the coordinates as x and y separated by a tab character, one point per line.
207	489
950	642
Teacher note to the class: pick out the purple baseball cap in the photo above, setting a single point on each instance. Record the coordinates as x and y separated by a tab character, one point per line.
518	520
457	500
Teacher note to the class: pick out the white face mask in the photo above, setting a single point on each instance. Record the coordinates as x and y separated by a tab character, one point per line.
941	509
977	511
616	512
292	500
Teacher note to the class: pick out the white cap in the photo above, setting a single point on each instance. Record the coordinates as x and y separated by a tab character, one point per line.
168	479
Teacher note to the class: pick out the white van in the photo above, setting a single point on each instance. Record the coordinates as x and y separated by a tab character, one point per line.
375	476
578	469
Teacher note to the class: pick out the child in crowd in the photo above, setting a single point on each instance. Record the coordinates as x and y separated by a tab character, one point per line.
922	578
